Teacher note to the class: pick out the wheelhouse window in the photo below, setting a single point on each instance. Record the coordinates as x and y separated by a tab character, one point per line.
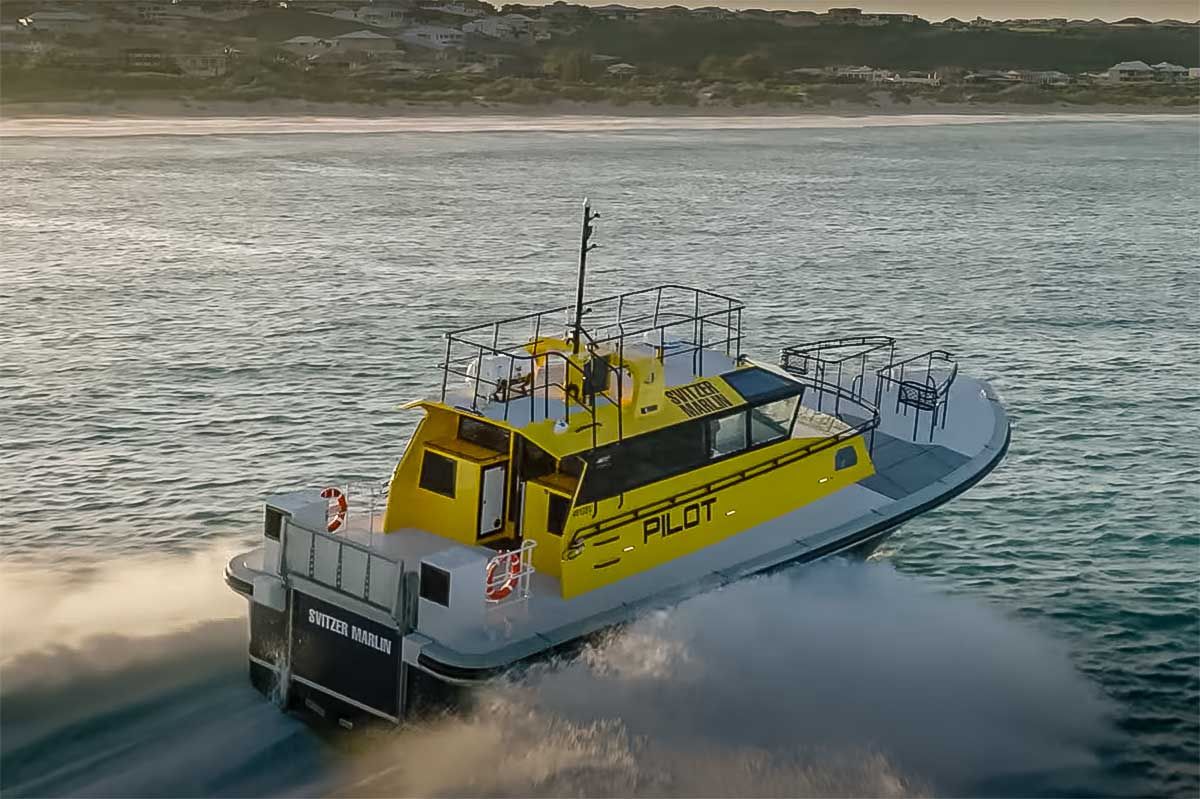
438	474
773	421
648	458
485	435
645	459
726	435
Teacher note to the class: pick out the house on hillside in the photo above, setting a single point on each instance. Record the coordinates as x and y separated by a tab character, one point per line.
1130	72
616	12
457	9
915	79
492	27
1045	77
364	42
1169	73
203	65
435	37
143	59
510	27
843	16
305	45
863	74
712	12
383	16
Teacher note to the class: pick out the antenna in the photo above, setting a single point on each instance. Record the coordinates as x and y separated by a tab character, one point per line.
584	248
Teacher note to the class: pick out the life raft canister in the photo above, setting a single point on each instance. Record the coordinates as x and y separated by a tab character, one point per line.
497	592
337	506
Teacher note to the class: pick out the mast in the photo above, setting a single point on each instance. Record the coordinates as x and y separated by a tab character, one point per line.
584	248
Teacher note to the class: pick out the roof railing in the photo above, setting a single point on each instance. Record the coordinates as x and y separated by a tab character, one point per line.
498	364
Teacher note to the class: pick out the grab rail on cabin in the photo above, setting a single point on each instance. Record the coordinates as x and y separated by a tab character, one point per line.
868	421
639	318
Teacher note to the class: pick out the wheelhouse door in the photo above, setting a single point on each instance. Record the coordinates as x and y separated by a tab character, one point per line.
491	500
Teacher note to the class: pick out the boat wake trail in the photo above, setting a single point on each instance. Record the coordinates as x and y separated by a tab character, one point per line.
129	678
838	679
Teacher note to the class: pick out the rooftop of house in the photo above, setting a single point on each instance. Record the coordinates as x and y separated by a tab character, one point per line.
363	34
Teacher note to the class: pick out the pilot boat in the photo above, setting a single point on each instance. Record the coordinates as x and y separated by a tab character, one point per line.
583	465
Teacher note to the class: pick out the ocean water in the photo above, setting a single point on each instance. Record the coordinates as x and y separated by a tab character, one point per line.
190	322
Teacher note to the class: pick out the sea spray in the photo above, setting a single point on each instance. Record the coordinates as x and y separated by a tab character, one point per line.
837	679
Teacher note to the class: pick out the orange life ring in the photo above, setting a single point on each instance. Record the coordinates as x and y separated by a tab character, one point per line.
338	505
497	592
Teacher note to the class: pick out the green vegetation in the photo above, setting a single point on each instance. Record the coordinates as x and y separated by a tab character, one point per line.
679	60
686	43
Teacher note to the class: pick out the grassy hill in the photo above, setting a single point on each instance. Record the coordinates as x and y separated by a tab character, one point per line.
280	24
683	43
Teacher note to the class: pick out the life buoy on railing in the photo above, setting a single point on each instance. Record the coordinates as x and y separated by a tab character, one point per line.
495	592
337	506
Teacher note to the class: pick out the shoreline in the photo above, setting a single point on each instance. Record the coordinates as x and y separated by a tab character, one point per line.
180	117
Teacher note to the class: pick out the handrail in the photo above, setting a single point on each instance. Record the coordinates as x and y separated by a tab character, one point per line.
872	343
737	305
762	467
522	361
341	543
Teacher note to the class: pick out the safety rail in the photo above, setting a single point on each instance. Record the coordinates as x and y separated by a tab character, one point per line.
925	393
836	357
868	421
343	565
503	361
509	574
365	501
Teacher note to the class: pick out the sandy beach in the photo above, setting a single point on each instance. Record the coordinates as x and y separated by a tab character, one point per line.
181	117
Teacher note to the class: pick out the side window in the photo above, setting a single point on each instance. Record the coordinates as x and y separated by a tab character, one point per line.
772	421
726	435
437	474
435	585
845	458
556	520
273	524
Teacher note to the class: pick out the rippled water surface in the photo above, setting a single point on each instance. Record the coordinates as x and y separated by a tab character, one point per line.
191	322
